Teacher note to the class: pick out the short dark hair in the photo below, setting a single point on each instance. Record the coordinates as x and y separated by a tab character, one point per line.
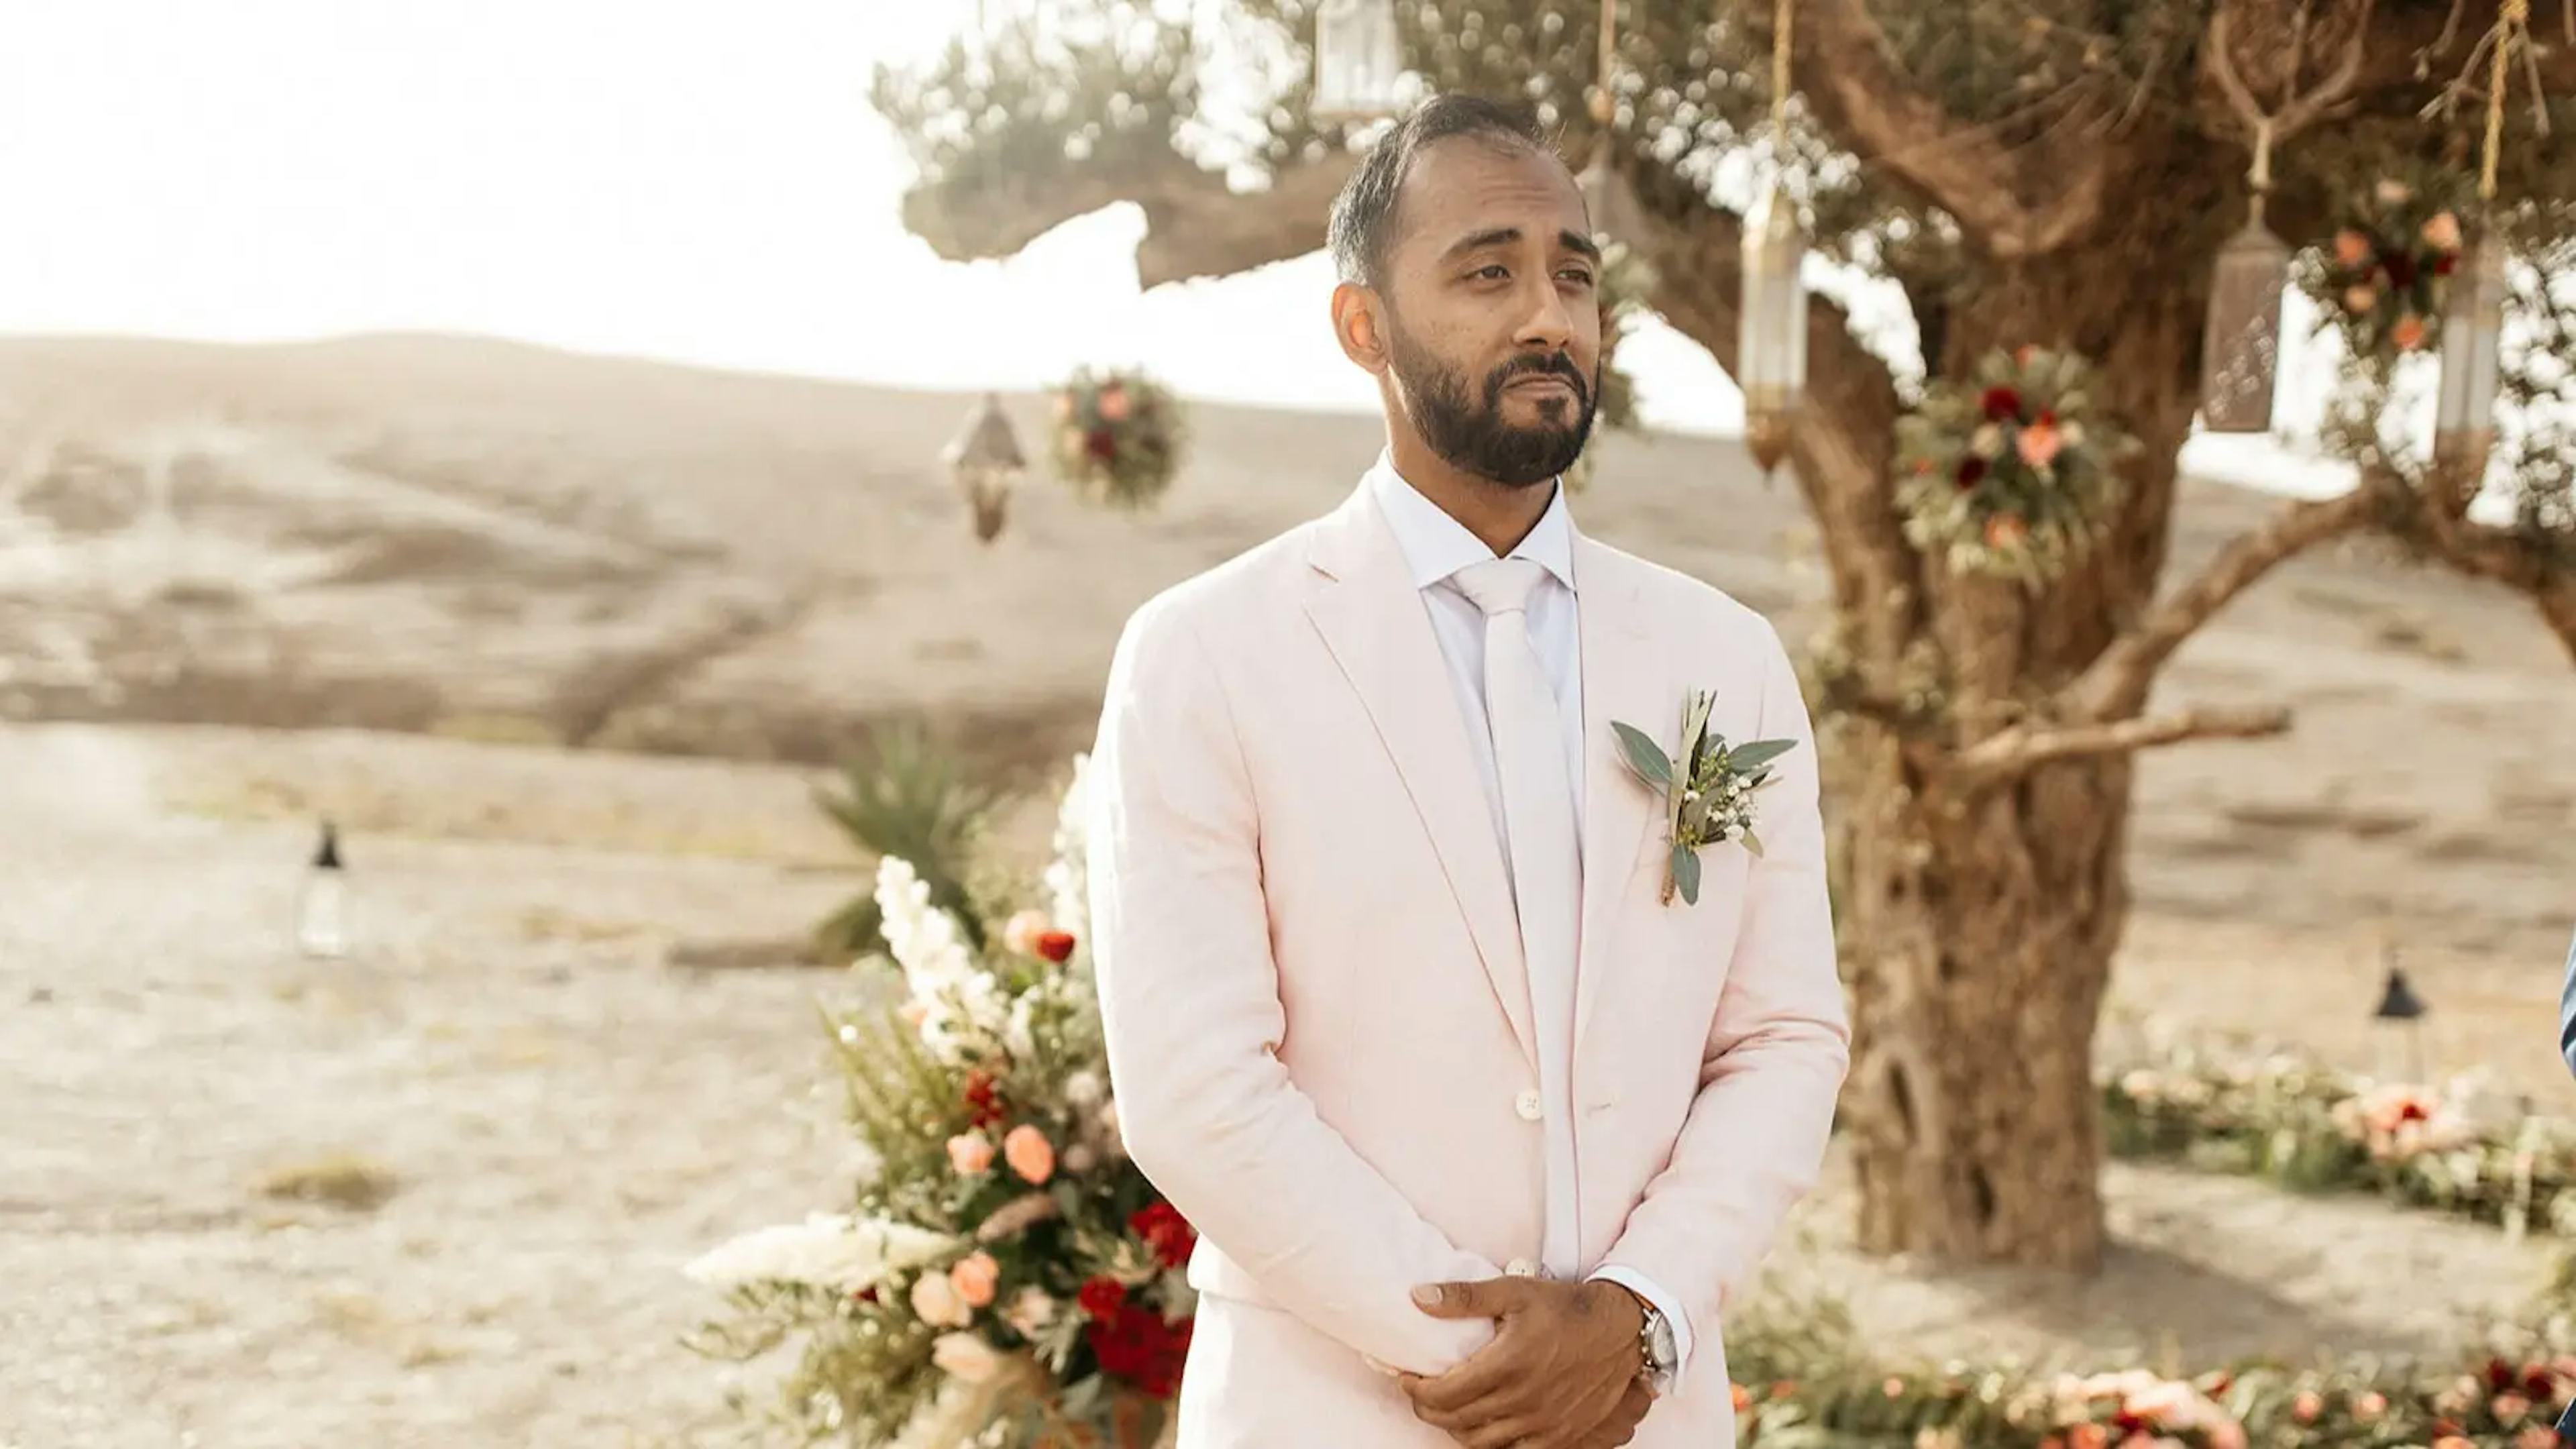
1362	228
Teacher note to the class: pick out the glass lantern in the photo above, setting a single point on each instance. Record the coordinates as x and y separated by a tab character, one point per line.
985	460
1359	56
322	914
1771	355
2472	366
2397	1031
2240	354
1617	217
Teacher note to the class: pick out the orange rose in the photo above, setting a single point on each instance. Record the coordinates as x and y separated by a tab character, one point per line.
976	1278
1743	1397
2351	247
2443	231
2087	1436
2408	334
2358	300
1029	1153
1115	405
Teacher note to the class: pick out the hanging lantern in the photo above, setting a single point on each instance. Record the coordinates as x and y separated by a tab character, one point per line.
1359	56
1771	352
2240	354
2464	430
985	459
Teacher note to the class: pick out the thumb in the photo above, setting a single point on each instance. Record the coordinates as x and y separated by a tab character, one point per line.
1486	1298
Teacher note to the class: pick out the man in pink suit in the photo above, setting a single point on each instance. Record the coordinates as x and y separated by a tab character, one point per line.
1484	1130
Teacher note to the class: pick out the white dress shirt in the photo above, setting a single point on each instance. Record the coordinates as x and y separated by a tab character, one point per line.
1435	547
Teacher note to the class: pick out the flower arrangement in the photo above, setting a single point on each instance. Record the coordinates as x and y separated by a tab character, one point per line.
2455	1148
1007	1276
1802	1381
1118	437
2387	271
2009	474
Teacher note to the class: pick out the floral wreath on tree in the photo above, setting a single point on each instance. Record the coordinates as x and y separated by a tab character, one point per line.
1118	437
2387	274
2011	474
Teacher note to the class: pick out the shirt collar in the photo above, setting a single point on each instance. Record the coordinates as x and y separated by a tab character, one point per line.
1436	545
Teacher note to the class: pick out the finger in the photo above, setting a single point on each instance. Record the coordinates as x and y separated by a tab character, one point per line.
1498	1365
1503	1434
1485	1298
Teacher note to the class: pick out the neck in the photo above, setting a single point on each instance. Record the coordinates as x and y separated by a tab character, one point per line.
1499	514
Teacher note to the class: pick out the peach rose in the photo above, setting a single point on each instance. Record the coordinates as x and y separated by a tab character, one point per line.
976	1277
935	1302
2443	231
2357	300
1115	405
1029	1153
2370	1406
2006	531
2408	334
2087	1436
1020	935
965	1357
2351	247
2039	444
2307	1406
970	1153
2509	1407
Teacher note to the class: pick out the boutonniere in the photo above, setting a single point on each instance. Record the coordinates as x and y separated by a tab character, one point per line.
1708	794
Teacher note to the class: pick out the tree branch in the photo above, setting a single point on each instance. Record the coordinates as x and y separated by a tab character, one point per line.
2023	748
2013	201
2116	685
1196	225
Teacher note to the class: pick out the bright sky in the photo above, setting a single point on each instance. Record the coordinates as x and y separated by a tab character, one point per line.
697	182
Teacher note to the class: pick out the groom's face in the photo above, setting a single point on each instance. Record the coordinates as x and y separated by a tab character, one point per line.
1492	323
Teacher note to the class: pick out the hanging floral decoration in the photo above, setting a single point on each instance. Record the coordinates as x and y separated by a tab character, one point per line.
1119	437
2387	271
2011	474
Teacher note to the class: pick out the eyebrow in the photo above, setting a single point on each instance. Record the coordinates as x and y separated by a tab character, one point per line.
1573	241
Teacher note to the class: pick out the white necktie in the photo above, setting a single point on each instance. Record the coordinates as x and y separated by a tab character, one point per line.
1547	864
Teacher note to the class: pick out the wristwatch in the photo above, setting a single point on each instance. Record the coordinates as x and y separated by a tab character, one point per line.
1658	1351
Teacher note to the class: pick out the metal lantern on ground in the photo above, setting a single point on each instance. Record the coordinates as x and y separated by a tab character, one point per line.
1359	57
2472	366
2398	1028
985	459
2241	349
1771	351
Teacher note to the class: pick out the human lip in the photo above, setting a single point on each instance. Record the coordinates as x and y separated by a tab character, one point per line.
1540	383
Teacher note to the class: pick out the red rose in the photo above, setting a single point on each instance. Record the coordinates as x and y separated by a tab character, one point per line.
1140	1347
2128	1423
2400	267
1971	469
2446	266
1101	1298
1102	445
1056	946
2500	1375
867	1294
2538	1384
1166	1232
2001	403
983	1098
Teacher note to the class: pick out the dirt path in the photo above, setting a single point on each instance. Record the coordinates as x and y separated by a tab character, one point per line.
568	1118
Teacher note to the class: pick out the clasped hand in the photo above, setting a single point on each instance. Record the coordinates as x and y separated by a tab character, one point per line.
1563	1371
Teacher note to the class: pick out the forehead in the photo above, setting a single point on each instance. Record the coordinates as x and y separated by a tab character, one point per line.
1464	185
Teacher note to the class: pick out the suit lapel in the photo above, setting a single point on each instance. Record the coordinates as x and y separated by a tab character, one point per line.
1372	619
1624	678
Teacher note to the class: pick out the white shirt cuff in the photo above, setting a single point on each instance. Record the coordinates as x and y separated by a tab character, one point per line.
1640	1285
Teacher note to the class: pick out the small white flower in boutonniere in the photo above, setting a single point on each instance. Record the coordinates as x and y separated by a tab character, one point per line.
1708	792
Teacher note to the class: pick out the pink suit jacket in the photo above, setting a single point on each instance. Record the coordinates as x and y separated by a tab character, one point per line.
1318	1018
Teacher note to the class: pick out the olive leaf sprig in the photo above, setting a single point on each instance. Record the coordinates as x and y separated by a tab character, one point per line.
1708	796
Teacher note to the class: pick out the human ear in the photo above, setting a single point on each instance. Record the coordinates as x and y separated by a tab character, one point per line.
1357	325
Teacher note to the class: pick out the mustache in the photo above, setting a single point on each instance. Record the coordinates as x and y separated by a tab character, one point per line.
1558	365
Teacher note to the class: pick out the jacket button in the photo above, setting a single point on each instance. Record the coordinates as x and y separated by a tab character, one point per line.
1529	1106
1520	1268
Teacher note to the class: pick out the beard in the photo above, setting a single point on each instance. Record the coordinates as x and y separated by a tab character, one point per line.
1463	422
